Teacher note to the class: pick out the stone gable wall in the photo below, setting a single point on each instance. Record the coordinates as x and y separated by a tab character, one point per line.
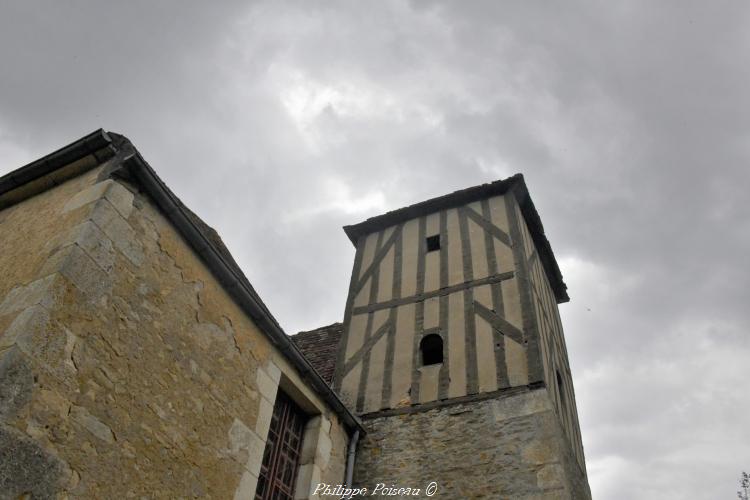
126	371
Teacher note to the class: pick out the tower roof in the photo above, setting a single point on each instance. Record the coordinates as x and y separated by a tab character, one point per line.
514	185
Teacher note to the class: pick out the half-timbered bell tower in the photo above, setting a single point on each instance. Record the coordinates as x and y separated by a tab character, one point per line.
453	302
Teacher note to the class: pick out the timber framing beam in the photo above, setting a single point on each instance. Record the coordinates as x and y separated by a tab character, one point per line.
421	297
487	226
498	323
357	356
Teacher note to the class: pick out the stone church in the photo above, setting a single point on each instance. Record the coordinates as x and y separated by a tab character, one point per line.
137	360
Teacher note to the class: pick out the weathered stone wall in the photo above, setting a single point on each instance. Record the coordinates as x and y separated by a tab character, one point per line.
126	371
505	448
334	473
35	222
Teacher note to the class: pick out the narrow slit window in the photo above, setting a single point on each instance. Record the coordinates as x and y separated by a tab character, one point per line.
431	347
563	399
433	243
560	387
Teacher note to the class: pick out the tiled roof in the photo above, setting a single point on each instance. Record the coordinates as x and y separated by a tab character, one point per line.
320	347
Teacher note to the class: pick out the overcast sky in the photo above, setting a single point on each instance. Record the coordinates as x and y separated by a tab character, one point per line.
280	122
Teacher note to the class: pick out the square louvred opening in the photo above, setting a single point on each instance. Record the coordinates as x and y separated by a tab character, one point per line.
433	243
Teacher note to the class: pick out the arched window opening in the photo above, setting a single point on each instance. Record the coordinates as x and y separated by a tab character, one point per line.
431	347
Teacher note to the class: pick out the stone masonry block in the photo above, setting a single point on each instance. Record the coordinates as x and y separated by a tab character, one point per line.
316	442
266	385
310	440
86	196
246	488
81	416
117	229
42	340
92	240
245	446
30	320
42	291
26	469
96	244
255	461
539	452
120	198
263	423
308	477
521	405
323	451
325	425
550	476
239	438
16	382
76	265
273	371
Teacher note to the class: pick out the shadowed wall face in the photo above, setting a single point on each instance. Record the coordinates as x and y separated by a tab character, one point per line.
552	349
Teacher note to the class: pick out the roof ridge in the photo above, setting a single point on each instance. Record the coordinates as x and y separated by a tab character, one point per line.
335	323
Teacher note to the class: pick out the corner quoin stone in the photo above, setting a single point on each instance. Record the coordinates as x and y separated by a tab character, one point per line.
26	468
16	382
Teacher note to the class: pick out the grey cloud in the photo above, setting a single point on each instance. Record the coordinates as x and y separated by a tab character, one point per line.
279	122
